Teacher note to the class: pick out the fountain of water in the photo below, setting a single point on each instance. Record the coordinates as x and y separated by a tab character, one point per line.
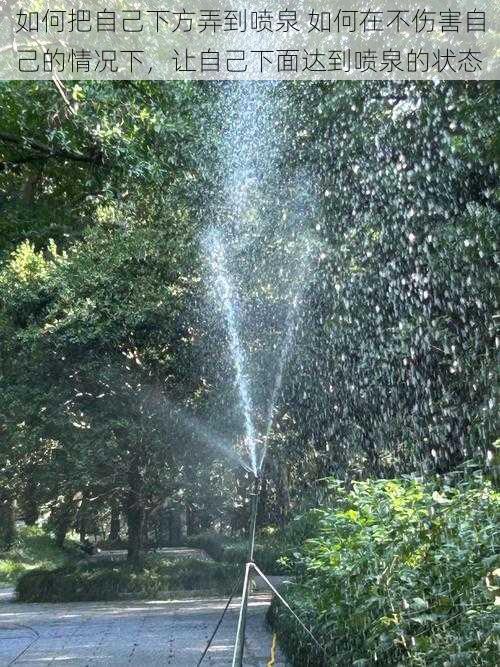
236	252
225	292
257	283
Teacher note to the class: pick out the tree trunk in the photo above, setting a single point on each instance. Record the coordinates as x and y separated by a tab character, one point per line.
82	529
262	506
29	188
135	513
191	523
175	527
145	530
30	505
164	527
63	516
370	449
284	494
7	521
83	522
114	527
183	524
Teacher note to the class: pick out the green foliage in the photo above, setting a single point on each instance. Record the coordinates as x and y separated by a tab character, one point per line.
402	572
212	543
108	581
401	340
97	259
104	343
302	527
106	148
33	549
267	553
191	574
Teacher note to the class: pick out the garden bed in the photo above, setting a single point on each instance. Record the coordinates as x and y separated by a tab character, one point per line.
34	548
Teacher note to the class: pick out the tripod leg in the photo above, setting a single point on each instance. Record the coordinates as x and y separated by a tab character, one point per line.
239	646
282	599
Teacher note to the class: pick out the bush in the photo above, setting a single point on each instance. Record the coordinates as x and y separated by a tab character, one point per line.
67	584
212	543
402	572
34	548
267	553
191	574
292	639
108	581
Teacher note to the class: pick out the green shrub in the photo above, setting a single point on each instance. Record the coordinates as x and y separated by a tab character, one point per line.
303	527
212	543
266	555
34	548
108	581
191	574
400	572
267	552
293	640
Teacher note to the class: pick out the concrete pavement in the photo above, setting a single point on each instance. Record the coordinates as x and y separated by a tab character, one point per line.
142	633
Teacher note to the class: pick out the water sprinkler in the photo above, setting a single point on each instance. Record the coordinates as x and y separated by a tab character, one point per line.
239	645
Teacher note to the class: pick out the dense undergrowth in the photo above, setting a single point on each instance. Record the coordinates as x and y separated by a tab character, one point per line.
60	580
268	551
274	548
34	548
45	573
108	581
400	572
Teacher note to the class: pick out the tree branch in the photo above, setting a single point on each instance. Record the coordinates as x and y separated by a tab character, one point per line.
45	150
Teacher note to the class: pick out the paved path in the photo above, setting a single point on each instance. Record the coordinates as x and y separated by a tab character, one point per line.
141	633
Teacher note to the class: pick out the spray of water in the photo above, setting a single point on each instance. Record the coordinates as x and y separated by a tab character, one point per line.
290	328
257	253
225	292
206	435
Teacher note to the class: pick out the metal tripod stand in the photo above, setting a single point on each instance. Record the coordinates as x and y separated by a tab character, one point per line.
239	646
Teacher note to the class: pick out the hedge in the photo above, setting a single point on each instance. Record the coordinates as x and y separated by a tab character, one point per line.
108	581
268	552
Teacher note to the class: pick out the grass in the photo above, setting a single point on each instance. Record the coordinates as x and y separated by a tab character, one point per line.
33	548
